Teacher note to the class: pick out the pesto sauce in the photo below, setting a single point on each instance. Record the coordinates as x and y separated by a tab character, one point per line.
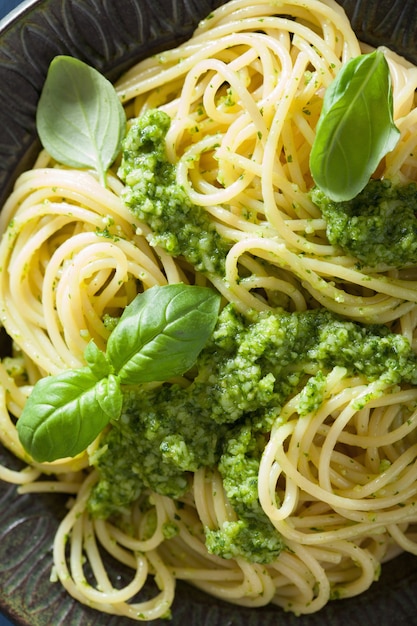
378	226
251	366
154	196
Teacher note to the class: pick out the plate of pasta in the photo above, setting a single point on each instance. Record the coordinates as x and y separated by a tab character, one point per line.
208	307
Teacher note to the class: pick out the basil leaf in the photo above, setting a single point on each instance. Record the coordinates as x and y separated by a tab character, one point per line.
109	396
355	129
63	415
161	332
80	120
97	360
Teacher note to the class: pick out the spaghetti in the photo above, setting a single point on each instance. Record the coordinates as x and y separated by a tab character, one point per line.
339	483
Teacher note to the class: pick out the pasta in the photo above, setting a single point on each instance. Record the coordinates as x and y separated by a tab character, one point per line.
339	483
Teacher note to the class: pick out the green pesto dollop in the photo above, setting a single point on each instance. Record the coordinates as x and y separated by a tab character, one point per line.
153	194
252	536
378	226
250	367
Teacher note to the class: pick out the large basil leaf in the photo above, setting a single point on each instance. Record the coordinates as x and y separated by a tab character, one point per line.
65	413
80	120
161	333
355	129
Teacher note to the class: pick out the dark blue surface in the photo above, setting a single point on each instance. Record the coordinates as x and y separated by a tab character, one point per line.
5	7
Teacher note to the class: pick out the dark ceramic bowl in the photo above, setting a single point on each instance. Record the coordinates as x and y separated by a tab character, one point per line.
111	35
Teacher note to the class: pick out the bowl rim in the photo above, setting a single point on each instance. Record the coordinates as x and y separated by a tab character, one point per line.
8	19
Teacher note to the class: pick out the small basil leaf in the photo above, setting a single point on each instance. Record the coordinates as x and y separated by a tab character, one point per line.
62	415
97	360
80	120
109	396
161	333
355	129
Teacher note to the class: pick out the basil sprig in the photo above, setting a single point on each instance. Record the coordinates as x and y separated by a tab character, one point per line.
355	129
80	120
158	336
